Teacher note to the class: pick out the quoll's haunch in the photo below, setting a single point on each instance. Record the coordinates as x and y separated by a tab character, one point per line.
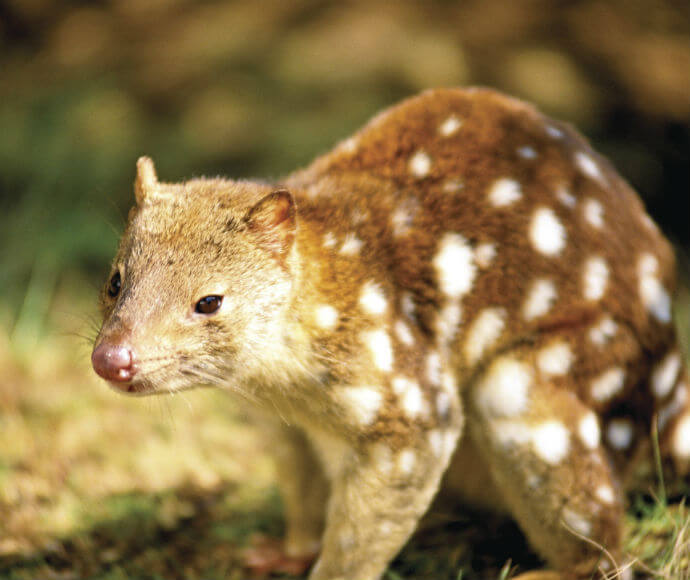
462	288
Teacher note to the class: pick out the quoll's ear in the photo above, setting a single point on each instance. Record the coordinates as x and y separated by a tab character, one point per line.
273	221
146	186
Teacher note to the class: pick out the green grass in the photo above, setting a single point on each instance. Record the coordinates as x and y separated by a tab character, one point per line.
94	485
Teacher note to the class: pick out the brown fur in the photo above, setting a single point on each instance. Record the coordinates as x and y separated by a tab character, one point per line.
337	301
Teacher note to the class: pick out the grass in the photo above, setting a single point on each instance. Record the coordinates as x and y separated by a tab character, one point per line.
98	486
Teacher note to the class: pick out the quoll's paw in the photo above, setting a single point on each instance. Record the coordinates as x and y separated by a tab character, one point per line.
267	555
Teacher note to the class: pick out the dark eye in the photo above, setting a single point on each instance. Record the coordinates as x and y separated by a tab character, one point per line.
114	285
208	304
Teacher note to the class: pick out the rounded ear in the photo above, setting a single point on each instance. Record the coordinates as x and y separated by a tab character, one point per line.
273	220
146	182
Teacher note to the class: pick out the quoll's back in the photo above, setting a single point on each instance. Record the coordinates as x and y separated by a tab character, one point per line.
462	287
501	227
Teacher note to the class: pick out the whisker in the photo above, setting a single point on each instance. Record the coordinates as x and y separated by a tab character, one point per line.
213	377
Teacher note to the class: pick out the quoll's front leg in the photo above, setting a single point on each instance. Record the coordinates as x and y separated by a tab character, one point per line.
379	494
304	490
303	487
542	445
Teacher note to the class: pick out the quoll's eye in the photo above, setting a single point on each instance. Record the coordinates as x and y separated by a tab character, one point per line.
208	304
114	285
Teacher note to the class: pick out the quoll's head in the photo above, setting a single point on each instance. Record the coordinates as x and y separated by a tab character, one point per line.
199	287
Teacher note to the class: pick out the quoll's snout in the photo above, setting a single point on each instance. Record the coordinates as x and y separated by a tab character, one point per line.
114	362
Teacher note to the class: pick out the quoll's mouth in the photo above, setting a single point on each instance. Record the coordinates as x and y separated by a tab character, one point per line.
133	388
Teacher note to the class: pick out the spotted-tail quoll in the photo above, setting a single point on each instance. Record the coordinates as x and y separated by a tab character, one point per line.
462	294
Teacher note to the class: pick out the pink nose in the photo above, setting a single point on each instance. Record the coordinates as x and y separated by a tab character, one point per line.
113	362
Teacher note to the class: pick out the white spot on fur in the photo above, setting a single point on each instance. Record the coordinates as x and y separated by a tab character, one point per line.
379	344
450	126
435	438
665	375
484	331
400	385
442	443
576	522
329	240
540	299
401	221
527	152
450	439
326	316
565	197
555	359
603	331
554	132
533	481
411	397
349	145
433	368
420	164
647	265
619	433
681	438
443	402
407	304
595	278
504	389
351	245
546	232
403	333
509	433
406	461
588	166
448	382
605	494
447	322
453	185
382	456
551	441
588	430
372	299
594	213
454	265
484	254
608	384
504	192
675	406
363	402
358	216
654	296
313	191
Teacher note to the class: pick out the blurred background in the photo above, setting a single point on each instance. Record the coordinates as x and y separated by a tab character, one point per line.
259	88
247	89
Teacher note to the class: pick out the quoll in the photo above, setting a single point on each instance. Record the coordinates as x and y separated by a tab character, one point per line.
462	294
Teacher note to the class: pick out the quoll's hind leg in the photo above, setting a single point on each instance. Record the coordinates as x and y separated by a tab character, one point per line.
543	449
